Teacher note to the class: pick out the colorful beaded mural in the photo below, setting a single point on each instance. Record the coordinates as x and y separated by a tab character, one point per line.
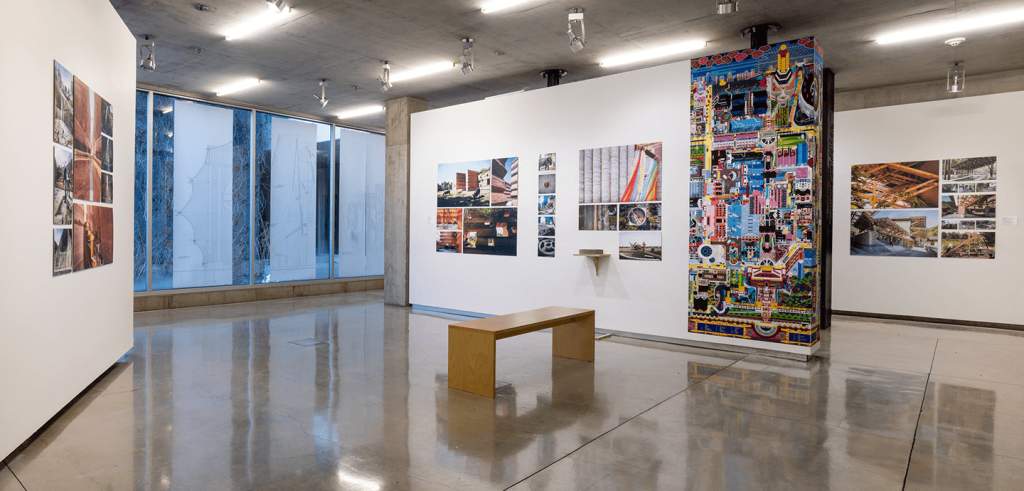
755	129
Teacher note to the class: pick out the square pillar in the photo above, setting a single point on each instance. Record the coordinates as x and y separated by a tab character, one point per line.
396	203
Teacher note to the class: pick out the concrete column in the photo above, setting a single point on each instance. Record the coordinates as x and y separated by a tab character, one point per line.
396	204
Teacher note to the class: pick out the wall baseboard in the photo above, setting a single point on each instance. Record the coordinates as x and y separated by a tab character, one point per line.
932	320
185	299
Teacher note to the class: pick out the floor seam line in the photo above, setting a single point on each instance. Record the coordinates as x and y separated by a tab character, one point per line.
16	478
624	422
920	412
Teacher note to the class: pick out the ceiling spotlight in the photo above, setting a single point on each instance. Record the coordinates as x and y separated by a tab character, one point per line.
467	56
577	43
148	63
955	41
275	5
385	78
323	93
728	6
955	78
200	7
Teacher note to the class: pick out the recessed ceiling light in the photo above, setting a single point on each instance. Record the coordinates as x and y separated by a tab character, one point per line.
362	111
262	21
957	26
650	54
497	5
239	85
430	69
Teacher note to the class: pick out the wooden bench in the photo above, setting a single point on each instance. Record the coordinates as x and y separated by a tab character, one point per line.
471	344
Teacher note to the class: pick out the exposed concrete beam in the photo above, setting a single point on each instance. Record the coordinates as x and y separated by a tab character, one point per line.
984	84
398	114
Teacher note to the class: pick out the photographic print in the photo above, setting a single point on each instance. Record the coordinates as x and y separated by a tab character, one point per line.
63	105
967	225
93	232
640	246
985	224
546	205
545	247
87	177
643	216
894	233
449	218
63	185
965	188
61	251
598	217
491	231
505	182
950	188
464	184
546	226
972	169
546	162
449	242
107	155
895	185
950	224
107	117
968	206
978	245
106	188
546	184
986	187
622	174
87	143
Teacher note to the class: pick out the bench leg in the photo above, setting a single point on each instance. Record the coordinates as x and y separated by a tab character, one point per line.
471	361
575	340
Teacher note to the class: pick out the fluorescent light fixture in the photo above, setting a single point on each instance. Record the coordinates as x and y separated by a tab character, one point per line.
239	85
257	23
424	70
497	5
167	110
650	54
958	26
362	111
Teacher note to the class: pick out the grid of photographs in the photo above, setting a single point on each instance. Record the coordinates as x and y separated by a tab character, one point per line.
968	208
477	207
83	175
895	209
546	164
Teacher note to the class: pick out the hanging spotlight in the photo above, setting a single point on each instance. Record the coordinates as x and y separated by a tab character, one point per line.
728	6
577	43
467	56
148	63
385	78
957	73
275	5
323	93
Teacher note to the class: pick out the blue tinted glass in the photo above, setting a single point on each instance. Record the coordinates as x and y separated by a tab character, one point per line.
141	184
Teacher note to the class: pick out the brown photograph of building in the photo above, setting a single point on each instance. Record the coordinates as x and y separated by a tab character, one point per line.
93	236
895	185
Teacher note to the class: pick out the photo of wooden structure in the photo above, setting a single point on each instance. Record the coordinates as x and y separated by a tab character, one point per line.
895	185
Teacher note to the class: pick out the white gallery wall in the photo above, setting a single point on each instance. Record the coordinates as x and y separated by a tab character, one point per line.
645	297
985	290
58	334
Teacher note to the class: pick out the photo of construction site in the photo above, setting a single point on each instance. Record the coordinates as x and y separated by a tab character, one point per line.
978	245
546	205
972	169
505	182
986	187
640	246
449	242
968	206
895	233
63	185
93	236
88	143
61	251
63	105
598	217
449	218
491	231
895	185
464	184
643	216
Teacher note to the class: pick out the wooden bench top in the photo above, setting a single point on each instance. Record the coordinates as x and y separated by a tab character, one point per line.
508	325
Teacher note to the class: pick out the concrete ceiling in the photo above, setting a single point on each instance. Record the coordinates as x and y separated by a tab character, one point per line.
344	41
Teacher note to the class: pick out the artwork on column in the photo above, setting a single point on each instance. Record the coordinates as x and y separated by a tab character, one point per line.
477	206
622	174
901	233
895	185
968	206
640	246
83	179
755	211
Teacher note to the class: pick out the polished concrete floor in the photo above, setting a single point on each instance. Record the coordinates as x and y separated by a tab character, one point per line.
224	398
